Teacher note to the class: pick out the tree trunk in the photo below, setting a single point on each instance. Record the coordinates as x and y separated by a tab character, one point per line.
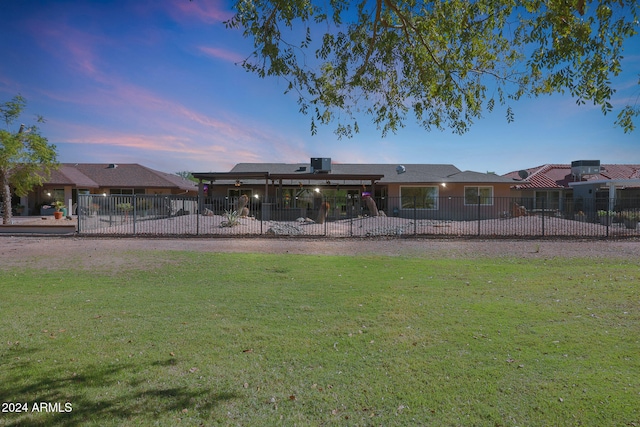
6	197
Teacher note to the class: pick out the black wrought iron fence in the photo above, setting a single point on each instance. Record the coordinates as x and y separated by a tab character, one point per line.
356	216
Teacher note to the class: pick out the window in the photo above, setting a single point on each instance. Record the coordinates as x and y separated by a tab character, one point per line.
56	194
125	191
485	194
234	194
419	197
547	199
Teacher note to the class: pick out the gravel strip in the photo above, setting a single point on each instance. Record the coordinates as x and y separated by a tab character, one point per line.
86	252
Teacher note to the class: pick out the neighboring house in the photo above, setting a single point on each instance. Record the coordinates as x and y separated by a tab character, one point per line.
583	185
72	179
420	190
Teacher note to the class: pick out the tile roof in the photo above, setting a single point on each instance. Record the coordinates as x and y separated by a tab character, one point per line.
557	176
128	175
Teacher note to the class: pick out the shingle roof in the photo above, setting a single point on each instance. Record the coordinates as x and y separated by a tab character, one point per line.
69	175
552	176
129	175
413	173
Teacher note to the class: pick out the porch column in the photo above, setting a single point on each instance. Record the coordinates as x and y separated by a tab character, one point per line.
266	189
612	195
200	197
68	199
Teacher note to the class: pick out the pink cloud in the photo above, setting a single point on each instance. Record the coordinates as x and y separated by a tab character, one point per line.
202	151
207	11
195	129
94	136
70	45
223	54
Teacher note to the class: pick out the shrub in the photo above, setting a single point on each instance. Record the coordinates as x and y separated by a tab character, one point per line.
231	218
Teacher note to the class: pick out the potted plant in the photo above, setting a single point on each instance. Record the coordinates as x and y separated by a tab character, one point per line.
59	208
606	217
631	219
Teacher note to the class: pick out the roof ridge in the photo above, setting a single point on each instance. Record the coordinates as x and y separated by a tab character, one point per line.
539	170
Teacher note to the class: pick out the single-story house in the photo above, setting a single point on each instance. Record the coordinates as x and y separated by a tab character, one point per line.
583	185
71	179
408	190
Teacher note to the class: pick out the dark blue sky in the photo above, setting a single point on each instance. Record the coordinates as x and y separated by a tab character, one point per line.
155	82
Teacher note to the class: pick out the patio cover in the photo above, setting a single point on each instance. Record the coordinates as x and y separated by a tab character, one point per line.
267	176
612	184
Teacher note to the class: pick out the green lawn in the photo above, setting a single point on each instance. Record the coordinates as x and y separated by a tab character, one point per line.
252	340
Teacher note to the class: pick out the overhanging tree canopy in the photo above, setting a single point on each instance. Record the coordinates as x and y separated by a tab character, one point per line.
26	157
446	62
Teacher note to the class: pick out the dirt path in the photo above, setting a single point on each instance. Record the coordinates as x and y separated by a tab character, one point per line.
57	252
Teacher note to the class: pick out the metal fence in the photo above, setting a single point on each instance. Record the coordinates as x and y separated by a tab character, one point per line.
120	215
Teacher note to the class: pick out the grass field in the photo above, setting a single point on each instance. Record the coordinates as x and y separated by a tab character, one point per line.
252	340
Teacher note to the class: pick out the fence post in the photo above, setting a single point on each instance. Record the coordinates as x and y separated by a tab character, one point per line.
350	204
609	219
198	213
80	210
134	213
478	215
327	211
543	206
415	216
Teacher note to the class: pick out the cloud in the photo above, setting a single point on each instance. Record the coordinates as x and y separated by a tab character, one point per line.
70	46
91	135
171	127
207	11
223	54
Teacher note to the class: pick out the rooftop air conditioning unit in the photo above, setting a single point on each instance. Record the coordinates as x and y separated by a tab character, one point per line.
580	168
321	164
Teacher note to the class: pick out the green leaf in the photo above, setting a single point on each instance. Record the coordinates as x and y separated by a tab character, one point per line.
438	59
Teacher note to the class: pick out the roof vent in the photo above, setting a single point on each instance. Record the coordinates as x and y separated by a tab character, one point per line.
400	169
302	169
112	166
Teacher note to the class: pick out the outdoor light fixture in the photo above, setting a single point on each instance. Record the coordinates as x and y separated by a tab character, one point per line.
104	194
444	184
317	190
238	183
256	196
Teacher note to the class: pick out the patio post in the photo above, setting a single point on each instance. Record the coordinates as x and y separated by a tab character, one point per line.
200	197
